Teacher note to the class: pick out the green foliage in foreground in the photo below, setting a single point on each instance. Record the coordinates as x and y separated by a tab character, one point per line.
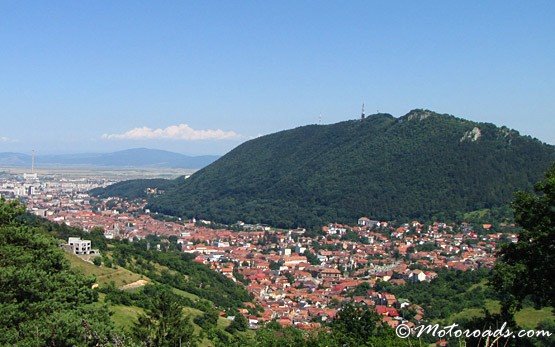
355	325
42	300
525	269
164	324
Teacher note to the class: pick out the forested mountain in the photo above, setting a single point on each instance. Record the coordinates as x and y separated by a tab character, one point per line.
420	165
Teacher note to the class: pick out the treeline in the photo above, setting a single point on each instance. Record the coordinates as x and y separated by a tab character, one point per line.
133	189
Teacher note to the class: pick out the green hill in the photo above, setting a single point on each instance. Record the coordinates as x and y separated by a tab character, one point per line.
133	189
50	297
420	165
103	275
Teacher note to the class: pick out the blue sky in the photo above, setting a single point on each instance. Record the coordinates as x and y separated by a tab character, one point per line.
79	76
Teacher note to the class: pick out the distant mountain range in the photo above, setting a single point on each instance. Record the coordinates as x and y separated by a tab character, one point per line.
422	165
136	157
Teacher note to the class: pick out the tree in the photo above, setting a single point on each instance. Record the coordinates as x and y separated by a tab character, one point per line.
311	257
107	261
164	324
356	322
272	334
362	289
290	277
208	319
525	269
359	325
9	210
240	323
96	235
383	286
97	261
275	265
43	302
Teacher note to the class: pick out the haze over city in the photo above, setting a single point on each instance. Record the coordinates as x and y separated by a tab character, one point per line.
200	78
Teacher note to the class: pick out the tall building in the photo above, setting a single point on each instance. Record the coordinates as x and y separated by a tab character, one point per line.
33	175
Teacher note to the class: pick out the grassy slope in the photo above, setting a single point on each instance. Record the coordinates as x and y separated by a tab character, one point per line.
125	316
491	305
104	275
185	294
527	318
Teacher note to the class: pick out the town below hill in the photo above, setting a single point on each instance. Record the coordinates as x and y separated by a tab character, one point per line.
250	284
300	277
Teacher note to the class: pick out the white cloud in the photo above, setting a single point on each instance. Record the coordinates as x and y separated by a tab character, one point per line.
175	132
4	139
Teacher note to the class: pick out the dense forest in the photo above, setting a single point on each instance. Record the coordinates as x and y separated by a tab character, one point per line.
421	165
134	189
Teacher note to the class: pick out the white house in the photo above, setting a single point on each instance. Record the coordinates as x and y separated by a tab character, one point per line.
417	276
363	221
79	246
299	249
367	222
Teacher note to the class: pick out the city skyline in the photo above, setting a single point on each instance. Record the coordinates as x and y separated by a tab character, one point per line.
201	78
